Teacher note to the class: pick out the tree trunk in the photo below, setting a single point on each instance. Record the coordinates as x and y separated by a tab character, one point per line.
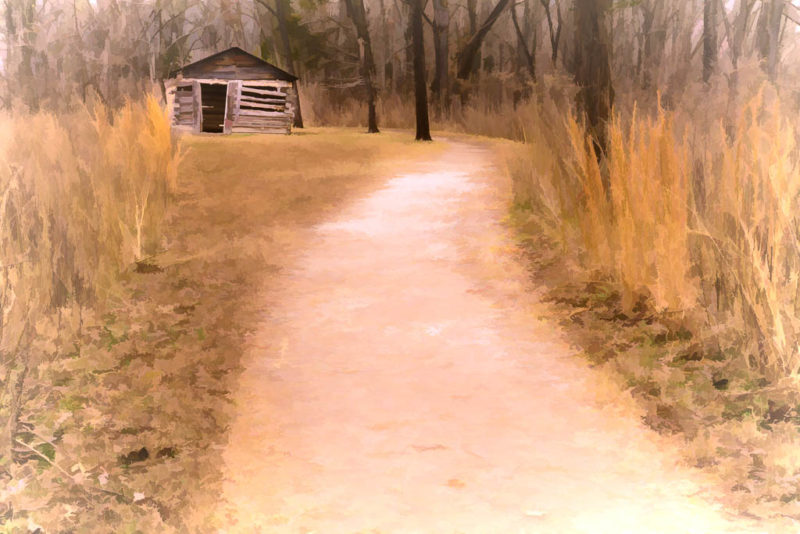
472	16
592	67
528	33
25	76
769	36
11	46
384	47
555	32
408	63
282	10
359	17
735	33
710	46
529	58
466	58
645	65
441	47
420	85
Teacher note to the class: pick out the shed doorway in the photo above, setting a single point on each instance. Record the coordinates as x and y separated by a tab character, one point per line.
212	96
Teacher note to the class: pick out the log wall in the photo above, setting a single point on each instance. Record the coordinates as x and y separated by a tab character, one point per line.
251	106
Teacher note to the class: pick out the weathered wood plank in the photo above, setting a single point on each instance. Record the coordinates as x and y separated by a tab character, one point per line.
252	83
275	131
254	105
257	113
245	120
251	101
267	83
267	92
259	98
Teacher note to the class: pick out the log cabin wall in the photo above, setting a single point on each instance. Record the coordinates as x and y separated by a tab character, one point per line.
182	109
263	109
232	92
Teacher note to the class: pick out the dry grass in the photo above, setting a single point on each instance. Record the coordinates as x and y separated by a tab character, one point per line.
747	228
666	215
82	198
154	371
684	275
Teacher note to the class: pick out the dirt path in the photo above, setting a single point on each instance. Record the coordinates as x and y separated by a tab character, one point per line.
403	382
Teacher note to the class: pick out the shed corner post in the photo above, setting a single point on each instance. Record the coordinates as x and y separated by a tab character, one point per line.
298	116
197	105
171	88
233	97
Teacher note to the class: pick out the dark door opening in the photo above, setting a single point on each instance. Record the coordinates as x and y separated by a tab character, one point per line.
213	98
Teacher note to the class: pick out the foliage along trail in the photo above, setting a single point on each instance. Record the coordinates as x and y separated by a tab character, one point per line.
402	379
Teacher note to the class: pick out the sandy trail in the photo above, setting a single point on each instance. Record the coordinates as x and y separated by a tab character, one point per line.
402	381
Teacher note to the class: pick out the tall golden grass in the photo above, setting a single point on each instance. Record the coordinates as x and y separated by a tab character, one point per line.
704	223
748	223
82	197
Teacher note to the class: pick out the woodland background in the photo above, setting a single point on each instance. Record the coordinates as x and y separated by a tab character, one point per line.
656	164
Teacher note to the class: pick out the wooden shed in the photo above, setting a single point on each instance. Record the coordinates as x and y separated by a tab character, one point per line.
230	92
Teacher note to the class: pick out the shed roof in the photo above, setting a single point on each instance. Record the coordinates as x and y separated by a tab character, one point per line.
233	64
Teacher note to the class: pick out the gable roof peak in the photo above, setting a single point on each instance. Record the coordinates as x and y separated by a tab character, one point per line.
257	63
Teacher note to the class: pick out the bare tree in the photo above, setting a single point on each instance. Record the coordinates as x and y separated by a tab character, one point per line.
530	57
736	30
592	66
441	47
555	31
768	35
358	15
653	37
735	34
710	45
466	57
420	85
472	16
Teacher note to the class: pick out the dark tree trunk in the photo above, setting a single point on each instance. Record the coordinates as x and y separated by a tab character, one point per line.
466	58
408	64
359	17
420	85
768	36
710	46
593	67
555	31
735	33
645	65
528	33
282	10
530	58
441	26
386	69
472	16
